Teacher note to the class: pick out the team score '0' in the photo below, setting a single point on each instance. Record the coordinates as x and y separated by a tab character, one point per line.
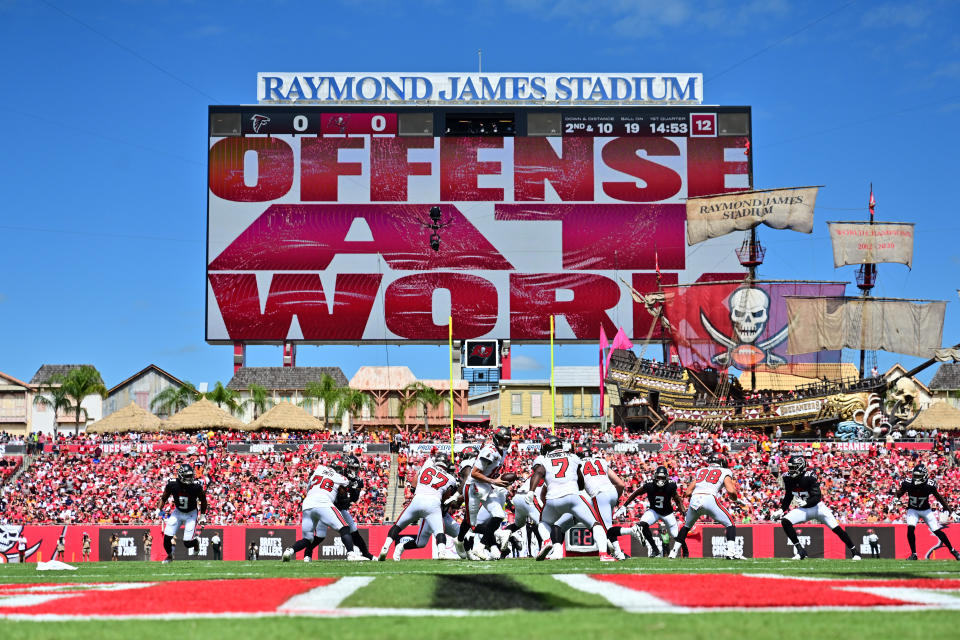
562	464
429	475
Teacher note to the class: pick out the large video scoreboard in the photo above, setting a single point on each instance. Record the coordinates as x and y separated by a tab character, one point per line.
346	224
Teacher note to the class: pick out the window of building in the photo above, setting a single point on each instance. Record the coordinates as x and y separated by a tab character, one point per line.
595	405
516	403
536	405
568	404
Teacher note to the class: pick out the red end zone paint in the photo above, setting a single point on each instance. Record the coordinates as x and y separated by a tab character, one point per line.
250	596
735	590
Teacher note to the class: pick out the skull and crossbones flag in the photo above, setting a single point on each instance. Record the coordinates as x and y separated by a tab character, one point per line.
738	325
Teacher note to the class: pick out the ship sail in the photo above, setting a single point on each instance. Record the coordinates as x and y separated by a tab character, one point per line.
912	327
738	324
871	242
717	215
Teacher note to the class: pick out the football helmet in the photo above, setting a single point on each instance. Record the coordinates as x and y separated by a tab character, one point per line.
551	443
444	463
501	437
339	466
468	452
714	459
185	474
353	463
661	477
920	474
796	465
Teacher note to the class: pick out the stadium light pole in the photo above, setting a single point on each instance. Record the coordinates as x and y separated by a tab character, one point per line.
553	387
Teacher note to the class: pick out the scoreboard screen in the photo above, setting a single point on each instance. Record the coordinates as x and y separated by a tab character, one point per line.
341	224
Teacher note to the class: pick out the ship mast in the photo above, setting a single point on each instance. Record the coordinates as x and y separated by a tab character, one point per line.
750	254
867	278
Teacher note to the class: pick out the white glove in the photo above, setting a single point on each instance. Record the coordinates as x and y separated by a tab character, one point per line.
452	499
776	514
202	520
619	513
528	497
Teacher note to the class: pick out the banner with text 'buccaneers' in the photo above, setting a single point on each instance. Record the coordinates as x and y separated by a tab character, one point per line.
739	325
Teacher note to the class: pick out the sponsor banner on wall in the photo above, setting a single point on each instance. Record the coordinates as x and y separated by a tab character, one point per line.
328	447
129	543
810	537
332	547
11	449
205	550
715	542
861	541
270	542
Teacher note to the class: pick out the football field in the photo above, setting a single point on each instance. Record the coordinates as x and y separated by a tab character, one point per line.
420	599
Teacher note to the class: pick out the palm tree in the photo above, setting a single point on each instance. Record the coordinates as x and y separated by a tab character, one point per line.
427	397
354	401
326	391
259	398
78	384
223	396
53	396
173	399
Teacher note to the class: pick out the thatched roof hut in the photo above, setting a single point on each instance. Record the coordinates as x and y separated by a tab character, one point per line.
940	416
286	416
131	418
202	414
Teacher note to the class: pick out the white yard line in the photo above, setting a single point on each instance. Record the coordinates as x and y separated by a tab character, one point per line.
325	598
629	600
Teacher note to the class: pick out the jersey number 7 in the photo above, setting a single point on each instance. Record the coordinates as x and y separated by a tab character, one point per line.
562	464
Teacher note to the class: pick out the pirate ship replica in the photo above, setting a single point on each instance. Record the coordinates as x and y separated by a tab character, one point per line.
779	327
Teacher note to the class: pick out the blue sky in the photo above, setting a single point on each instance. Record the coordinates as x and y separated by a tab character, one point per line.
104	167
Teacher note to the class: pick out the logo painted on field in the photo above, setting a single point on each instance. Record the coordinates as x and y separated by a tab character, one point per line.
682	592
174	599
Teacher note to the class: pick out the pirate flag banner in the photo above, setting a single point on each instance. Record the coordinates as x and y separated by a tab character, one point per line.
715	216
739	325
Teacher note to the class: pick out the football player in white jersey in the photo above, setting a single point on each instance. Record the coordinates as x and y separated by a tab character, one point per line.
436	480
703	490
563	493
604	487
319	510
485	490
526	510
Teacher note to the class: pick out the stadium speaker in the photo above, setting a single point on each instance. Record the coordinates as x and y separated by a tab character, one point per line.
544	124
733	124
224	124
654	400
415	124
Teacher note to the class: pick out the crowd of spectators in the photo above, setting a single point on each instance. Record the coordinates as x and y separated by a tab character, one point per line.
87	484
92	487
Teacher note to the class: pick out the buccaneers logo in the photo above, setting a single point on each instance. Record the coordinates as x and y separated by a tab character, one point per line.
749	314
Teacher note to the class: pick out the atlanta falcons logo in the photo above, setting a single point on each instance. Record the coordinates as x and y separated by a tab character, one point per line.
259	122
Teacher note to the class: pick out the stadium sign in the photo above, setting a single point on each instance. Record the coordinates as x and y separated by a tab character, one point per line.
479	88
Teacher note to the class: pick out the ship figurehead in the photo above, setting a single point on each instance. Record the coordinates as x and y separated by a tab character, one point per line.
749	315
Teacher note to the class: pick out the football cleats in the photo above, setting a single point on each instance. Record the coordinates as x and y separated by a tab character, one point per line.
661	476
920	474
551	443
714	459
501	437
796	465
185	474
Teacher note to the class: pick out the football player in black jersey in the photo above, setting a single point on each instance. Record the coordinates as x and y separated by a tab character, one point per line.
803	483
919	490
662	494
187	494
347	498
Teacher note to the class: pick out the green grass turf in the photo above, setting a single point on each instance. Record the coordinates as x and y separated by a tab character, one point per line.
523	600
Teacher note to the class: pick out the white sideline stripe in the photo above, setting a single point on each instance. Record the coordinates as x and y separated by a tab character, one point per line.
627	599
325	598
336	613
913	595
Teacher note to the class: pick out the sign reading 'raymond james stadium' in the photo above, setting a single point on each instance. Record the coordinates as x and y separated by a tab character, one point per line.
480	88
